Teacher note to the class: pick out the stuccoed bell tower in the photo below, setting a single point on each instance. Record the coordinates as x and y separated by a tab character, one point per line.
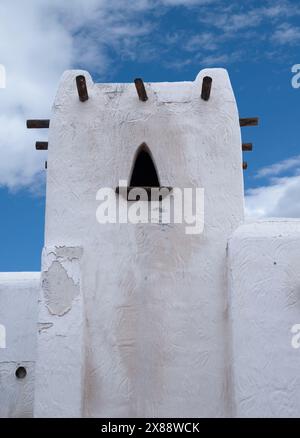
133	318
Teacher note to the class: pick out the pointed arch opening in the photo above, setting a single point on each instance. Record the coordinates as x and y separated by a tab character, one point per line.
144	172
144	175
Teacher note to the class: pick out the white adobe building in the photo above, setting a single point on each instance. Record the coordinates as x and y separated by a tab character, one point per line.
144	320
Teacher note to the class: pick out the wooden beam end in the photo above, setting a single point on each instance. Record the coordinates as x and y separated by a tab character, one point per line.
247	147
141	90
206	88
38	124
82	88
250	121
41	145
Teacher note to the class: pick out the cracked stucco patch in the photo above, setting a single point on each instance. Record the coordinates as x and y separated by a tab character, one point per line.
59	289
69	253
44	326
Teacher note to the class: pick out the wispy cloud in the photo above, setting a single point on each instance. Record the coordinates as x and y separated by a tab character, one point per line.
234	32
287	34
204	41
236	17
276	169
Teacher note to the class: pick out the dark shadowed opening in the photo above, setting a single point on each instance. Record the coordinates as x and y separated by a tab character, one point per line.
144	172
21	373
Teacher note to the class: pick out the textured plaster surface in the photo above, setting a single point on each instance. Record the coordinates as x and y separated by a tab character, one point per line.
155	299
264	277
59	289
144	320
60	365
18	313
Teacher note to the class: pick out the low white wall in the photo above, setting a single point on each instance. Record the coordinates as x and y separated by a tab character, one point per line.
18	314
264	281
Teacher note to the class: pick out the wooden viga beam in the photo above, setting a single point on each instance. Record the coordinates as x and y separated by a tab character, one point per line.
41	145
38	123
247	147
245	165
250	121
81	88
140	89
206	88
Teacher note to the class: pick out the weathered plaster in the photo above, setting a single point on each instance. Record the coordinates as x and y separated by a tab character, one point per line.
16	395
155	298
44	326
264	270
18	313
59	289
60	366
145	320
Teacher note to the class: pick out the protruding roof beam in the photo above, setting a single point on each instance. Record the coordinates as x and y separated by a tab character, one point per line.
37	124
81	88
247	147
41	145
251	121
141	90
206	88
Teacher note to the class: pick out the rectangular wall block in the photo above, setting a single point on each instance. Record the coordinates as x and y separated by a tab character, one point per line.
264	279
18	323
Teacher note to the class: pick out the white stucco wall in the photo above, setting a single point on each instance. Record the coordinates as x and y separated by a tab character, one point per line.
264	279
145	320
155	298
60	366
18	314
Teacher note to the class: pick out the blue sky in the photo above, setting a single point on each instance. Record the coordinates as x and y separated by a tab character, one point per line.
159	40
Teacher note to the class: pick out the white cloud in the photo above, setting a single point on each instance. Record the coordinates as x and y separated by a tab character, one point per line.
278	168
206	41
38	41
287	34
235	18
34	52
231	31
279	197
220	59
